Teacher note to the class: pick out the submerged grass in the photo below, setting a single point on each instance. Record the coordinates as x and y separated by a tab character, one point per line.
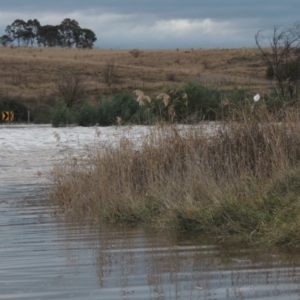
239	181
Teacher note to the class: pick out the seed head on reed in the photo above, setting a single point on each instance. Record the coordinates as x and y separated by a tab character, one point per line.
142	99
165	98
119	120
185	97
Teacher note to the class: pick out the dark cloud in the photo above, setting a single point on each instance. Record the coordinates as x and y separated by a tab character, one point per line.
161	23
172	8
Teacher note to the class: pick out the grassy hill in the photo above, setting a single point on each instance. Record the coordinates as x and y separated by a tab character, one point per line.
35	75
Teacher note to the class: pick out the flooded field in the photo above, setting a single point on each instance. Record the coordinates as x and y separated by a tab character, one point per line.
45	257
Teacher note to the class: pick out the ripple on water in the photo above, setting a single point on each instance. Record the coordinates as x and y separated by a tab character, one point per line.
43	257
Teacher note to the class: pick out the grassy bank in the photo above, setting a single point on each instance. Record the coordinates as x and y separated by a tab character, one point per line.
239	181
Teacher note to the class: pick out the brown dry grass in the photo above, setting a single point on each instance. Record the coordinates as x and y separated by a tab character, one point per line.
241	180
33	72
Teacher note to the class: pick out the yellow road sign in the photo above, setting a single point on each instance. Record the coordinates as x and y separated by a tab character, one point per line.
8	116
5	116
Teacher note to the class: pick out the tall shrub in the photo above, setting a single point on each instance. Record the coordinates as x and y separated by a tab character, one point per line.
122	107
86	115
61	115
203	102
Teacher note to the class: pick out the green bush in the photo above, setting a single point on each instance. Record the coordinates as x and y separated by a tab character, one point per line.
237	96
106	111
85	115
203	102
275	101
61	115
191	103
123	106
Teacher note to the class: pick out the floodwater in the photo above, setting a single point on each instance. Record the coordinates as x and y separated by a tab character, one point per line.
46	257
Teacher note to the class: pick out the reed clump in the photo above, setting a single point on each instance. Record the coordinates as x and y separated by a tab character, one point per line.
235	180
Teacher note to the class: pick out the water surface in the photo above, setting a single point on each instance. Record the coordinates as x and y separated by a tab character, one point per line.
43	256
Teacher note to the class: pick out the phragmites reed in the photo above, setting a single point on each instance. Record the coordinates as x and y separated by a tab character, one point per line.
165	98
142	99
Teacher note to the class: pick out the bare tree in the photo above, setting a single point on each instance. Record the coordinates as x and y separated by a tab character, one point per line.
70	88
282	58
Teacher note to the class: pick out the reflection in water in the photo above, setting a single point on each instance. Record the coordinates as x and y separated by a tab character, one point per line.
140	264
45	258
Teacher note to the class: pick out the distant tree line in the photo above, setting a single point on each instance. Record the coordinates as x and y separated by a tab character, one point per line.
67	34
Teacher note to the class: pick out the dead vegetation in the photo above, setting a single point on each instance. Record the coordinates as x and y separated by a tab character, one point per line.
236	181
70	88
31	72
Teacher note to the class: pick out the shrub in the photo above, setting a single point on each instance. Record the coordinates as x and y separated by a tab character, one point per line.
173	106
61	114
274	101
85	115
135	52
71	88
106	111
203	102
234	101
123	106
193	102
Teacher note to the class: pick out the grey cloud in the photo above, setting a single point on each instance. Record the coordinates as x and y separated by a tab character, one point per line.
171	8
140	23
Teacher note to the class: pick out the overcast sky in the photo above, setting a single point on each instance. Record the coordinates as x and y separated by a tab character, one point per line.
160	24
